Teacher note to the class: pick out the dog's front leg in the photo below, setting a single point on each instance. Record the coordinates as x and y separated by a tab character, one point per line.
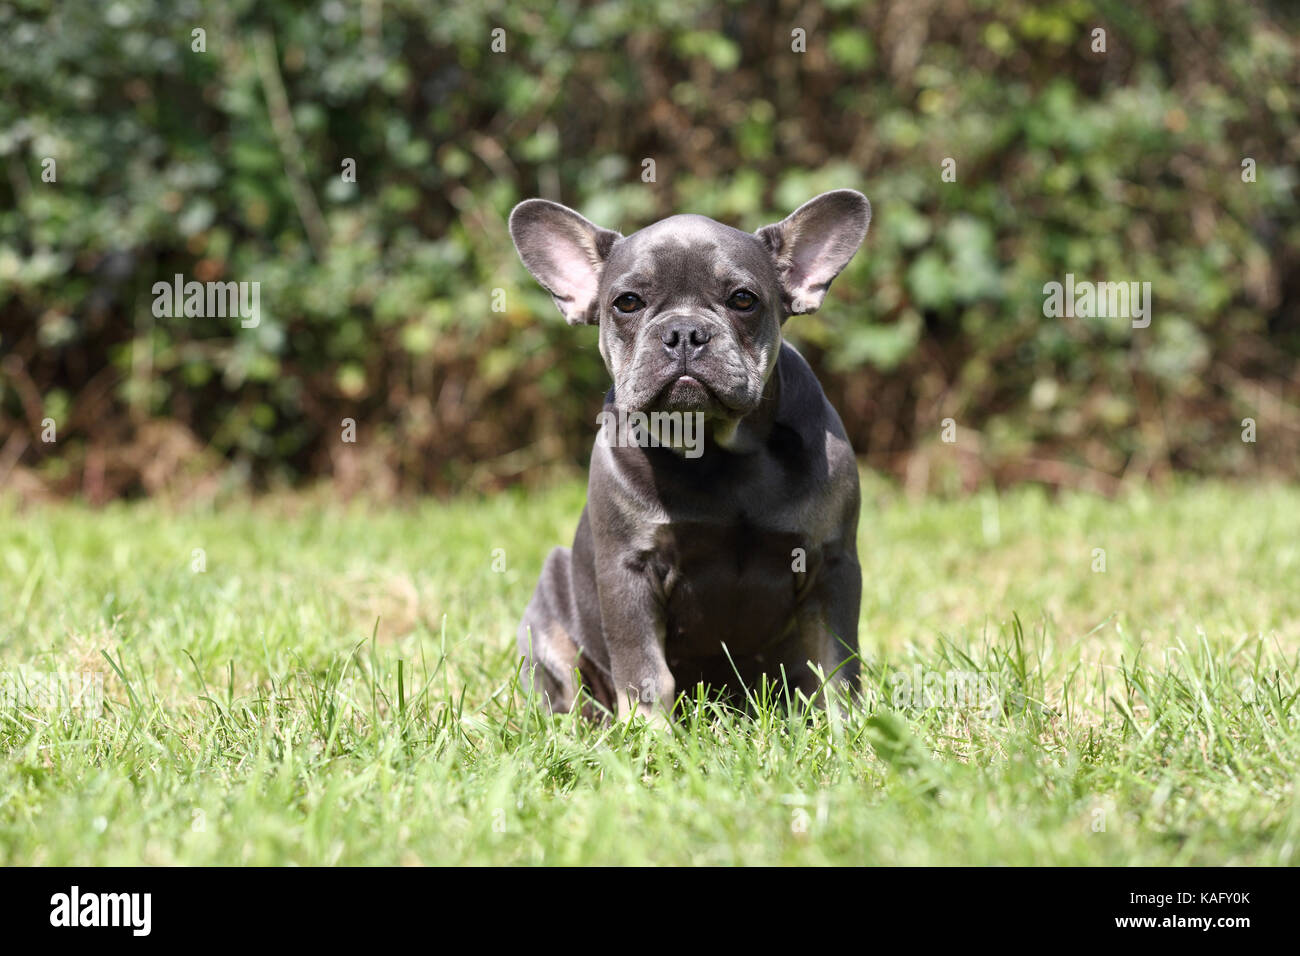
633	621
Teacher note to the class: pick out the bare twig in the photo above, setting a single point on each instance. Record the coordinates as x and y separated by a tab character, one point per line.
277	102
10	454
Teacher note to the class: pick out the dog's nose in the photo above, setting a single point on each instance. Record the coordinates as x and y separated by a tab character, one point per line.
685	338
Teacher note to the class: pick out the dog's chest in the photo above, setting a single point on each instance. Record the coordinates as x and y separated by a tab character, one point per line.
732	582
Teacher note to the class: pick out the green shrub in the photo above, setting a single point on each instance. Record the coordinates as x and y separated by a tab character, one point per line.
376	296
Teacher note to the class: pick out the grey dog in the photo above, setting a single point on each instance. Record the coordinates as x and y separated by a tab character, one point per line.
732	557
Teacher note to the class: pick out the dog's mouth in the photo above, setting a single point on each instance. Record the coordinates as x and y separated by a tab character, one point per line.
684	392
718	386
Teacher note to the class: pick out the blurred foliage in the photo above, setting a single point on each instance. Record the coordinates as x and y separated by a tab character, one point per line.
376	296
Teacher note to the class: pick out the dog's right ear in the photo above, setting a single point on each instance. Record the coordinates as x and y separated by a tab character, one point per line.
565	253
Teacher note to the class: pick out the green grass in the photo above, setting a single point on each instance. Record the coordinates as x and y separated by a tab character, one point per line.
339	687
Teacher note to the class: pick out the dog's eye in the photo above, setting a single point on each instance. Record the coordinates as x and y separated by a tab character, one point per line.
628	302
742	300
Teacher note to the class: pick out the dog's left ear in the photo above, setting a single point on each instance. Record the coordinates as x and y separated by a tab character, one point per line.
813	243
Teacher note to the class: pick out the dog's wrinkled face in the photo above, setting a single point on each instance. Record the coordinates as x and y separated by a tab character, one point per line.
690	318
690	310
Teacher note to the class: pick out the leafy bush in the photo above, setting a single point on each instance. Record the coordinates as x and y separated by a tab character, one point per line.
377	296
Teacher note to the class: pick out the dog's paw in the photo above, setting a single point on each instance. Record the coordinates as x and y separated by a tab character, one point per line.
650	717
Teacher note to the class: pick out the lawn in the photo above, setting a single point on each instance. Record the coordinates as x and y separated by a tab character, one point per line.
1049	680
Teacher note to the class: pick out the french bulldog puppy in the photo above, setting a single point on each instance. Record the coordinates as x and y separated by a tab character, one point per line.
718	543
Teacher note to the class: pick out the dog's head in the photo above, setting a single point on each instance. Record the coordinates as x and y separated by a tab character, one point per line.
690	310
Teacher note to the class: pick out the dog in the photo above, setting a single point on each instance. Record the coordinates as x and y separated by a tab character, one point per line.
724	557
